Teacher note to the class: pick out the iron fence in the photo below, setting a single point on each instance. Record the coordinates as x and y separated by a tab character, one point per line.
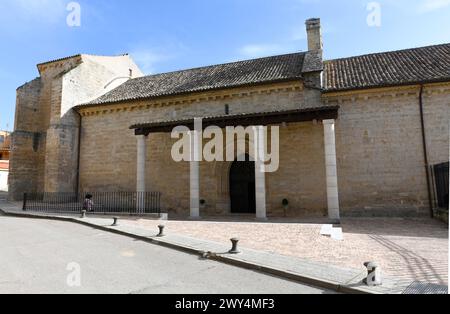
133	203
441	182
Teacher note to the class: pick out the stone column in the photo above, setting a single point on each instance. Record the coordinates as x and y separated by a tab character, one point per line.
260	175
195	175
140	175
331	170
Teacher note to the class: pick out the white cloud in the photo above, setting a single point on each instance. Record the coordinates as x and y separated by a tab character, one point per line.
44	11
417	7
260	50
152	56
432	5
148	59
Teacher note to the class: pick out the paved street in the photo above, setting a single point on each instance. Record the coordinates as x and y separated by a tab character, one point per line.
407	249
35	254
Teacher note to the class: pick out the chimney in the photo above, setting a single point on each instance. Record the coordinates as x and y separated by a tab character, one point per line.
314	31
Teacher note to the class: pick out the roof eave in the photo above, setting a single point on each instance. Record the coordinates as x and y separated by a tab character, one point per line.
359	88
243	119
91	105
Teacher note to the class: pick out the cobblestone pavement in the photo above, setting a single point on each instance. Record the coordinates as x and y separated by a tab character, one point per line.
410	249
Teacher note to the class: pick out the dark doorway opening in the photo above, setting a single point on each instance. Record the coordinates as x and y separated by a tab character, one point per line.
242	187
441	181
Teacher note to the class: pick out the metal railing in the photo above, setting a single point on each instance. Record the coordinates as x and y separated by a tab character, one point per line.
133	203
440	173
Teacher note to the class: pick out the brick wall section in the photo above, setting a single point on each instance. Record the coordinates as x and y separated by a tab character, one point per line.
380	155
26	140
83	83
379	143
381	168
112	167
437	118
45	153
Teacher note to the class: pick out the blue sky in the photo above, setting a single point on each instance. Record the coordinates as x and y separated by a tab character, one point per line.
175	34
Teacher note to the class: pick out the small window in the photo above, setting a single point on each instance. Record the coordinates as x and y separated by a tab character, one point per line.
131	72
36	139
227	109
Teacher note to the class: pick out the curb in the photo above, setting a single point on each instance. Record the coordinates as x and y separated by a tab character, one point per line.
303	279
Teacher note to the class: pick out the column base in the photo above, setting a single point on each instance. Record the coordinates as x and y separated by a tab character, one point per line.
335	221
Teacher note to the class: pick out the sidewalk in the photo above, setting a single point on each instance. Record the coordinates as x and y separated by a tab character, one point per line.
405	248
317	274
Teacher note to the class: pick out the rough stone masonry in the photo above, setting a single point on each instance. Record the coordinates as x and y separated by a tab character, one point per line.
72	130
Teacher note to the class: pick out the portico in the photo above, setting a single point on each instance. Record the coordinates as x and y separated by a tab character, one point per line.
325	115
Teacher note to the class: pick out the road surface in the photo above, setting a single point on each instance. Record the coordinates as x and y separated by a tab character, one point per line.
41	256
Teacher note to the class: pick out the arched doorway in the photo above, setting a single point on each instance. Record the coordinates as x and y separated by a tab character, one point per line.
242	187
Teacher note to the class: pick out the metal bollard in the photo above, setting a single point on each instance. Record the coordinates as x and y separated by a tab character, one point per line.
115	223
161	231
373	275
234	249
83	214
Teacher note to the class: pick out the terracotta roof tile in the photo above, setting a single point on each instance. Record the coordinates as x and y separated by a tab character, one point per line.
250	72
419	65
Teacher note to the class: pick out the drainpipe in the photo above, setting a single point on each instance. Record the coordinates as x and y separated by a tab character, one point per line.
77	186
425	151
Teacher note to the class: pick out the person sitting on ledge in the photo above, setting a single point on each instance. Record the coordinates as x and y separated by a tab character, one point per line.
88	204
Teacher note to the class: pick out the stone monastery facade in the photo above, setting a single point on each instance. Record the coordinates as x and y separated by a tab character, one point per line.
357	135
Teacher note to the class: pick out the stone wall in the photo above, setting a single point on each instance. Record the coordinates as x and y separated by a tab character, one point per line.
108	152
28	145
381	168
45	141
92	78
436	103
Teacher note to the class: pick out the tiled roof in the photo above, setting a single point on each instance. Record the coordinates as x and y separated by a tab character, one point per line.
420	65
60	59
412	66
250	72
71	57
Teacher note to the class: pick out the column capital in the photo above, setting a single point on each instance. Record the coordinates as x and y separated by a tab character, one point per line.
329	121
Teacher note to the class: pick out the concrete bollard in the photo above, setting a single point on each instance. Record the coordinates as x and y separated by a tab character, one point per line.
373	275
234	248
115	223
161	231
83	214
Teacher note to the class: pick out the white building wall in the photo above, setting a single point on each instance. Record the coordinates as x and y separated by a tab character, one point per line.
4	181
